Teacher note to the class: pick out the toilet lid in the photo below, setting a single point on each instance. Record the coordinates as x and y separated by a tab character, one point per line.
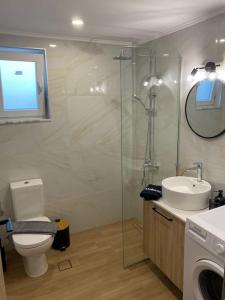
32	240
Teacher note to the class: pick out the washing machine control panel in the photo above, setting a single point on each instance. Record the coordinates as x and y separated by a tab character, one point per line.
197	231
218	246
206	239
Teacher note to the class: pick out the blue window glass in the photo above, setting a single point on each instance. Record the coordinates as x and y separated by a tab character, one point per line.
19	85
204	91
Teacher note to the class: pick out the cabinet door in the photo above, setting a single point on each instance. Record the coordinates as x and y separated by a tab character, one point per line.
164	242
149	231
2	283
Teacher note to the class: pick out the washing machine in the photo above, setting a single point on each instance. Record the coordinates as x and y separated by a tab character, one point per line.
204	256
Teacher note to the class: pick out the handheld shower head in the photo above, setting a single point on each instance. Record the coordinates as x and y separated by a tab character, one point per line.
135	97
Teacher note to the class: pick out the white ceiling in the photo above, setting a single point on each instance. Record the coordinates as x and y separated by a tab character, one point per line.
114	20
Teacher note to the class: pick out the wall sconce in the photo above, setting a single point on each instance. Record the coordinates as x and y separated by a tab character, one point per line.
210	72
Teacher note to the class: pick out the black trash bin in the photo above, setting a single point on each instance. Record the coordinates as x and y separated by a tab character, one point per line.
62	237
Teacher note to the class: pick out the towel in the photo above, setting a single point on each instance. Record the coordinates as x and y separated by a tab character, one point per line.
34	227
152	192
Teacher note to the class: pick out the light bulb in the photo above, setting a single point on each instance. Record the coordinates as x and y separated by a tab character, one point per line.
212	76
78	22
201	75
221	75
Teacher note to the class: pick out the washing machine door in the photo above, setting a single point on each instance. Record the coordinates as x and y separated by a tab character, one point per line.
208	280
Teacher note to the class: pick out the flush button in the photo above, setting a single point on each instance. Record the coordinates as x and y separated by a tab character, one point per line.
220	249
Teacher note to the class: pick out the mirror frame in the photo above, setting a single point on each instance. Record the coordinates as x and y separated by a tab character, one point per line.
204	137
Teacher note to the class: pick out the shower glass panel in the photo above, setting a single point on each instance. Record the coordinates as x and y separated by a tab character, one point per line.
150	118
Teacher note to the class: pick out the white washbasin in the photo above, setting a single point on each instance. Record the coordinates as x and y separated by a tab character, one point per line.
186	193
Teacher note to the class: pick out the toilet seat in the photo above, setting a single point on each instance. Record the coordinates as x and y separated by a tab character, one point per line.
29	241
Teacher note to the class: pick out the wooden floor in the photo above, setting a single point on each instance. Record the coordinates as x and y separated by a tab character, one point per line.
97	273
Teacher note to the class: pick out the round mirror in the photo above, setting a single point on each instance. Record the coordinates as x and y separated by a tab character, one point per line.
205	108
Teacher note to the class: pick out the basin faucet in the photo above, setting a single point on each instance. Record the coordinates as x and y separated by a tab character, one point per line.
198	168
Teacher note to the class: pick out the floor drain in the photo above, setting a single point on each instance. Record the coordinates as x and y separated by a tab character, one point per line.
64	265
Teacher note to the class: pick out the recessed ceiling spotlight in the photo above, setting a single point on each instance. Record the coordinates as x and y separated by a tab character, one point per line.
78	22
52	45
165	54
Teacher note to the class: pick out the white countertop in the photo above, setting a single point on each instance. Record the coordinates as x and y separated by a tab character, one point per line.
212	222
178	213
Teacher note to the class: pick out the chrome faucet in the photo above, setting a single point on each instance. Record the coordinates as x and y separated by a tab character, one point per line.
198	168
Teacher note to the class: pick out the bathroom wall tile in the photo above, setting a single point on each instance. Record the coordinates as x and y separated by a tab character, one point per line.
77	154
93	209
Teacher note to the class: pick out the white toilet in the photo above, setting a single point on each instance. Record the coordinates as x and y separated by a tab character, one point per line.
28	205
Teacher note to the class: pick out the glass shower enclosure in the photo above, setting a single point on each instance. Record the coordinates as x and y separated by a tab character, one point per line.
150	126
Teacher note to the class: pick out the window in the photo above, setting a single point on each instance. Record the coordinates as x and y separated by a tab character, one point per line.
205	90
23	84
209	94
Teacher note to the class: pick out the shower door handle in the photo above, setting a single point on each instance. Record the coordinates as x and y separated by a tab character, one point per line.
162	215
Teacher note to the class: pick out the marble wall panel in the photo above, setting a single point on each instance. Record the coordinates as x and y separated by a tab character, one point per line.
77	154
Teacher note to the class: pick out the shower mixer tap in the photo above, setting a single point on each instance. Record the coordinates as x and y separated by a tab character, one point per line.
151	164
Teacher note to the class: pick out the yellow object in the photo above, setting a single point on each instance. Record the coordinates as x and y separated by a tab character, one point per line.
62	224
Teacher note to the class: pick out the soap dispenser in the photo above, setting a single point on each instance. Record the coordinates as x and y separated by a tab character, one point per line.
219	200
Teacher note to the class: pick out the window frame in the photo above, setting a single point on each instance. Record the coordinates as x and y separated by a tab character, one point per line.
28	55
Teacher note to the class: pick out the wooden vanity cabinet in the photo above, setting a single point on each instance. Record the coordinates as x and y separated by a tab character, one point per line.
164	241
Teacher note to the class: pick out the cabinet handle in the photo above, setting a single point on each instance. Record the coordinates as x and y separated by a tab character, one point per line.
156	211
